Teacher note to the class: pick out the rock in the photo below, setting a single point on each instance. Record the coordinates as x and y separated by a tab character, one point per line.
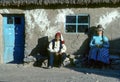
114	57
28	64
45	63
66	62
115	62
29	59
72	56
97	81
78	56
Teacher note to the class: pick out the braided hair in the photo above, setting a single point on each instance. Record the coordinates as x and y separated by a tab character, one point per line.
99	27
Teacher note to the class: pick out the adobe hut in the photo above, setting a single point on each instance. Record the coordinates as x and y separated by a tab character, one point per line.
24	22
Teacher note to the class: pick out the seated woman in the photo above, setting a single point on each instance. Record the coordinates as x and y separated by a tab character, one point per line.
99	49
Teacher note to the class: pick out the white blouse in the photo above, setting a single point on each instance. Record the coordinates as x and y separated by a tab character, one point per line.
56	47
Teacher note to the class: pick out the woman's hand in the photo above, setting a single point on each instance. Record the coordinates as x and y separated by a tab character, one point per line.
99	46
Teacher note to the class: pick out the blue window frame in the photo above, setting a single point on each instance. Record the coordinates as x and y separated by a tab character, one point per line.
10	20
77	23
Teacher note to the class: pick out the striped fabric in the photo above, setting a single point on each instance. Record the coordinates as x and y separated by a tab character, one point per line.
99	54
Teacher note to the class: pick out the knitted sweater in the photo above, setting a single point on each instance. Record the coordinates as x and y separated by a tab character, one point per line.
99	40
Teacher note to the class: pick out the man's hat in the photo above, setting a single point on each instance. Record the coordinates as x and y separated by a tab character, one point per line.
58	34
61	37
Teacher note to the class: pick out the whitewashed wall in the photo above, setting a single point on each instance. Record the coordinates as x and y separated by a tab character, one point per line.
42	22
46	22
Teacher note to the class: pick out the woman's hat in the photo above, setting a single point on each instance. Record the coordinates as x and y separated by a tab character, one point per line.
100	28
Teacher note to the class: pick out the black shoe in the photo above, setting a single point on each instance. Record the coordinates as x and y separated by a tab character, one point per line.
61	65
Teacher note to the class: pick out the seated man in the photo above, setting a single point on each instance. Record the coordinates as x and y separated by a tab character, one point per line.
99	49
57	48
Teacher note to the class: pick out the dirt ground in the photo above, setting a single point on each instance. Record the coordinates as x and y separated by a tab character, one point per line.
20	73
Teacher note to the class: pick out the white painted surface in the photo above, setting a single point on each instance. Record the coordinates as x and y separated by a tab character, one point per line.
51	31
38	18
4	11
108	18
60	18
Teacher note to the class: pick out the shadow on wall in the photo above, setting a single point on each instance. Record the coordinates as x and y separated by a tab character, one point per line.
84	48
40	52
115	46
41	47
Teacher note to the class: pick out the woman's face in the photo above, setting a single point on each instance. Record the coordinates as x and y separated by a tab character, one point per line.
99	32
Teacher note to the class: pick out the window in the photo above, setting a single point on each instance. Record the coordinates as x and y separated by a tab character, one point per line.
13	20
10	20
17	20
77	23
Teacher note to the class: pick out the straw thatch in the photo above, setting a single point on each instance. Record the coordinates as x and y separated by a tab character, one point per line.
53	2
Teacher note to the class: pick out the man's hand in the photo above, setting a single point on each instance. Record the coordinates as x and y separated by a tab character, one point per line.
56	53
60	53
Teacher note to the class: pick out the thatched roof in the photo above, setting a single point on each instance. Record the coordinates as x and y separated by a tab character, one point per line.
54	2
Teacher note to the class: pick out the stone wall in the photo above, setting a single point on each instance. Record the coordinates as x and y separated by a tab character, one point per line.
40	23
46	22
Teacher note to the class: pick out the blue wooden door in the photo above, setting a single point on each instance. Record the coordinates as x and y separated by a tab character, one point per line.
13	31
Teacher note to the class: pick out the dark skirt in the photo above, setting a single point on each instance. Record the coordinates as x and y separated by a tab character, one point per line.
99	54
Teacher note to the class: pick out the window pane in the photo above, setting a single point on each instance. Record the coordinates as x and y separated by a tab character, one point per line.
70	19
70	28
82	28
83	19
9	20
17	20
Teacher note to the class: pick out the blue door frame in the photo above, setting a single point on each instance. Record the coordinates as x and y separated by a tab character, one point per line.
13	33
